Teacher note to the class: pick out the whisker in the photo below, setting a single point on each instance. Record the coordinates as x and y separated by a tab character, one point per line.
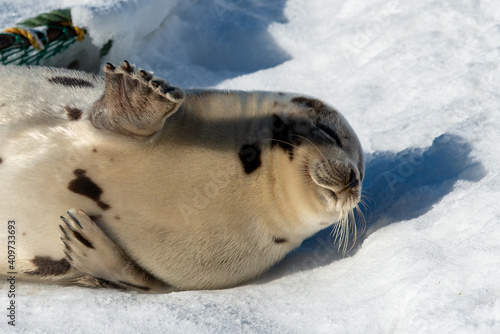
336	176
333	175
347	226
361	217
366	195
282	141
310	142
366	207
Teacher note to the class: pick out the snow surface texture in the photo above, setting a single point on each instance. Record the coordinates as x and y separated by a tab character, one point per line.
419	82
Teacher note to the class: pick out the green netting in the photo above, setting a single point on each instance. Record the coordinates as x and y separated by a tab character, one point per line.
54	36
27	55
53	30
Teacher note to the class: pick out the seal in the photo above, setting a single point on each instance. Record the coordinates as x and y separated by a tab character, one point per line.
128	182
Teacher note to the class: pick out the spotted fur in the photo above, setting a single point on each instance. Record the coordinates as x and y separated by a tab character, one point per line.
74	114
45	266
250	157
84	185
71	82
125	181
279	240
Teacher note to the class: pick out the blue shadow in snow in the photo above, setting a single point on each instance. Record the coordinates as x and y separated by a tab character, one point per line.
406	185
235	37
397	186
218	40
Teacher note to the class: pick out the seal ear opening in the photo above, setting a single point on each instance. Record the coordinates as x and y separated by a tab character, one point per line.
133	102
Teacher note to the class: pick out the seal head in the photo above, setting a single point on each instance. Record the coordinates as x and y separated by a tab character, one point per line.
330	163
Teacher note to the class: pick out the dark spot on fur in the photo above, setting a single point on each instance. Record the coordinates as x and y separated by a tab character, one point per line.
23	234
82	239
83	185
140	287
49	267
103	205
282	135
330	132
94	150
71	82
74	114
250	157
279	240
95	217
117	217
1	160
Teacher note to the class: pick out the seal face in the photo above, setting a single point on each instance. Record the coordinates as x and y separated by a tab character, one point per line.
128	182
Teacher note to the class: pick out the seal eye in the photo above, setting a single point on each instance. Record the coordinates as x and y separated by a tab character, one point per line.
331	133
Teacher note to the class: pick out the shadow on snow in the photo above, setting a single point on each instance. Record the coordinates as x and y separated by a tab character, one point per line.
211	41
398	186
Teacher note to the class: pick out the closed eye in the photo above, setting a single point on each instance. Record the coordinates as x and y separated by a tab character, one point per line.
331	133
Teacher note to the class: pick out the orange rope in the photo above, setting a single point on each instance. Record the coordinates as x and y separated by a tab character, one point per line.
26	33
80	33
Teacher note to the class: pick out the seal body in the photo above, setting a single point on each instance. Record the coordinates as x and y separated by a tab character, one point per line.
129	182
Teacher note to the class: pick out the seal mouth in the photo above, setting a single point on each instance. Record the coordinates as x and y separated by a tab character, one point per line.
340	195
333	194
327	193
345	203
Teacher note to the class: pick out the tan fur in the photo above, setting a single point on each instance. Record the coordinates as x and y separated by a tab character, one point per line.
177	208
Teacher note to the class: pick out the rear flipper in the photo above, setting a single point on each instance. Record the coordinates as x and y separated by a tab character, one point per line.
100	260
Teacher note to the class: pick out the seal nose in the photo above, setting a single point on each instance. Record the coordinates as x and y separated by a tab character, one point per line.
353	180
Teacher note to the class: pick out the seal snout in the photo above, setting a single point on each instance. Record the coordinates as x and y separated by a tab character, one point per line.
353	180
340	184
338	178
352	186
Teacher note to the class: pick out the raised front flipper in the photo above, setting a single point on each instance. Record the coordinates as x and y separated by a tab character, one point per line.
134	102
90	251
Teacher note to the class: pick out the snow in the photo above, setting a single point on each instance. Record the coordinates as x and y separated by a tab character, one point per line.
418	81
